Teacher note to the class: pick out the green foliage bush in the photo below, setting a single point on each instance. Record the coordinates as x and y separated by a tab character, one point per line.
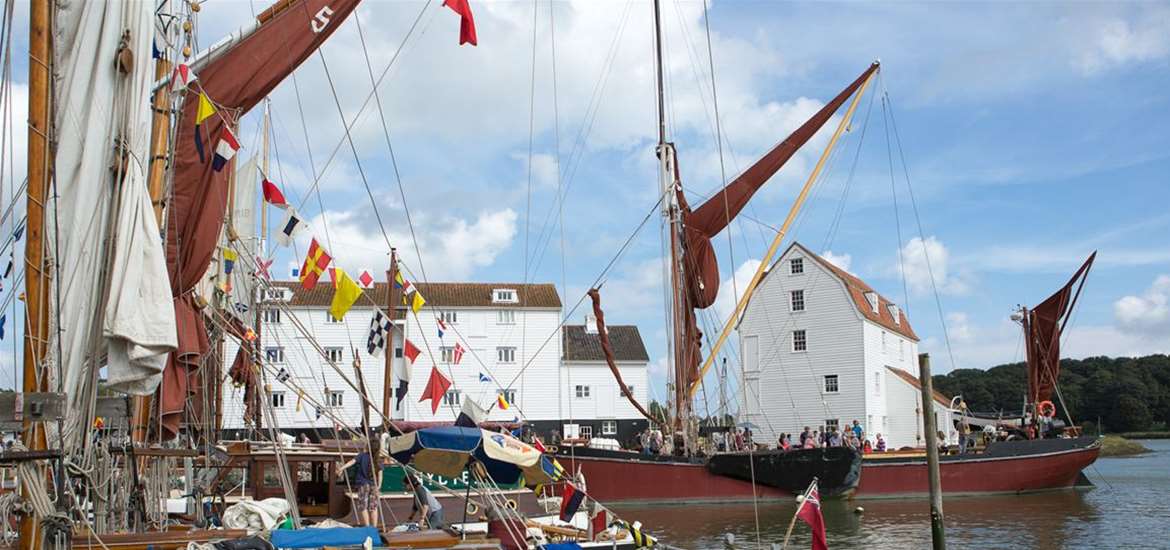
1126	393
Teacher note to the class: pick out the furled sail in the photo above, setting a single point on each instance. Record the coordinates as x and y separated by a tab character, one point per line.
1043	327
700	225
703	223
111	276
236	77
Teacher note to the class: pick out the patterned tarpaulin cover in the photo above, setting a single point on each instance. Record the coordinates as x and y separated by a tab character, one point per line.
447	450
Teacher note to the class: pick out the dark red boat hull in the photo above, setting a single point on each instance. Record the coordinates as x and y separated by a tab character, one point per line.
1047	469
662	482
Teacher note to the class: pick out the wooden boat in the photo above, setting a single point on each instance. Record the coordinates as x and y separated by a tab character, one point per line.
1005	467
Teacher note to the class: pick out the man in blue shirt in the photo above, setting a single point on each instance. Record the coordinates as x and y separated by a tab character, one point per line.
368	480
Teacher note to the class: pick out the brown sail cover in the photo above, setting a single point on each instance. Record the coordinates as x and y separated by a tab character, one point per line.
1043	326
607	348
706	221
235	81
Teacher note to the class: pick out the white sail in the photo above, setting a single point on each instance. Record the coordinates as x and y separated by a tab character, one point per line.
104	228
244	225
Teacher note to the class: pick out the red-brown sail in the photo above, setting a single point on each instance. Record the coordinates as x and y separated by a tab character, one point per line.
235	81
706	221
1043	327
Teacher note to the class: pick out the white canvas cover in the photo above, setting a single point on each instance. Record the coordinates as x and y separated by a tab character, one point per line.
104	226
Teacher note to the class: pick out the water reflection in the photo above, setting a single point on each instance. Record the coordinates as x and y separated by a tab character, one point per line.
1128	509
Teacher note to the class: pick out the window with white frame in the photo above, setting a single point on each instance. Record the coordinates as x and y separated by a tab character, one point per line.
796	300
451	397
582	391
272	316
877	385
830	425
799	340
885	342
505	354
872	298
274	354
895	313
586	432
447	354
278	400
504	296
796	266
506	317
336	398
329	318
623	393
609	427
334	354
831	385
450	317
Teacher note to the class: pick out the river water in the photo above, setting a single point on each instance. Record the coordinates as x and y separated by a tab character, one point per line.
1128	508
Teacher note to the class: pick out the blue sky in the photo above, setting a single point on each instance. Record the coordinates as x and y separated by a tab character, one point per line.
1034	133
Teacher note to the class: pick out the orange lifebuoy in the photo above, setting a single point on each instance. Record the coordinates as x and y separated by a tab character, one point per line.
1047	409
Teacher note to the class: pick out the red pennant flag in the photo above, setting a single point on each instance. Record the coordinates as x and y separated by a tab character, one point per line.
410	351
810	513
436	389
273	196
467	23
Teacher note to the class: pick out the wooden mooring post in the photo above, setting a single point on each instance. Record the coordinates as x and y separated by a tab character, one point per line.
930	427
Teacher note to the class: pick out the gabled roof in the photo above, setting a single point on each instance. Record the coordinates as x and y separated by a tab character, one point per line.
583	346
440	295
857	290
914	381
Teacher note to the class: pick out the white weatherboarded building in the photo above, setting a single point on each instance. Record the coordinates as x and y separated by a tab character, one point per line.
511	342
821	348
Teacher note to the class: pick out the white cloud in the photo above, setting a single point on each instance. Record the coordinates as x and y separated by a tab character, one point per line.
959	327
452	248
842	261
1117	41
728	293
1148	314
920	259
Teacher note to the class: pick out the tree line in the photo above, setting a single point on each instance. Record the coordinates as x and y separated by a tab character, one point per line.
1124	394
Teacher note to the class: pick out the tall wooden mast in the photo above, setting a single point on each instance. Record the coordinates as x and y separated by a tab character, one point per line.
672	215
36	282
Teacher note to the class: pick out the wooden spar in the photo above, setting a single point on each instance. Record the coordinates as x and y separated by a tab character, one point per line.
779	238
36	282
388	370
160	140
930	426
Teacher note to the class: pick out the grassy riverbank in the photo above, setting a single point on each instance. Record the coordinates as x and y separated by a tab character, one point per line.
1115	445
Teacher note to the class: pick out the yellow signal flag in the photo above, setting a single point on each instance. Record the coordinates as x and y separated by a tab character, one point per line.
418	302
205	110
345	295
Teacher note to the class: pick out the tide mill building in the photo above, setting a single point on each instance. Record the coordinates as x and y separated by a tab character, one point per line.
496	342
821	348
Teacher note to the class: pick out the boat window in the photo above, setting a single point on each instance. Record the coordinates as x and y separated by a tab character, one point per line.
233	479
304	471
271	476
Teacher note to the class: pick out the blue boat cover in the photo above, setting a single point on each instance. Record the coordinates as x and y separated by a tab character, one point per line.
331	536
447	450
562	546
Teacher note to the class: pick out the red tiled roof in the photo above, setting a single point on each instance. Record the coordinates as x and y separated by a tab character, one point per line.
913	381
857	290
439	295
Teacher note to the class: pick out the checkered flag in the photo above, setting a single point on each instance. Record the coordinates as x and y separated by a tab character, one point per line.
283	375
379	332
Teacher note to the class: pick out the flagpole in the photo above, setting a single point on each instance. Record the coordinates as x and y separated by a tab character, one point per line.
796	514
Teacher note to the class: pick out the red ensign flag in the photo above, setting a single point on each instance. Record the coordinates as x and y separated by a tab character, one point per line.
467	25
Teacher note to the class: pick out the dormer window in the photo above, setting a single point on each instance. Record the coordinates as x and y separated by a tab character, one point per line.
590	325
872	298
895	313
796	266
504	296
